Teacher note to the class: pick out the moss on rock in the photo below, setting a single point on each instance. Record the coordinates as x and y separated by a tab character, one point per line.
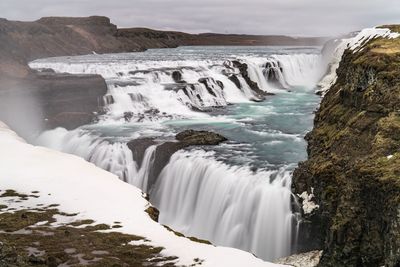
353	166
26	242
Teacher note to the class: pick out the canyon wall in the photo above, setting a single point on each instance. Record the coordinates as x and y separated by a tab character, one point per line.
353	171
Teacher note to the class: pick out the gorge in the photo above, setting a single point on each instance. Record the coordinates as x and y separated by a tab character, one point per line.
213	134
259	156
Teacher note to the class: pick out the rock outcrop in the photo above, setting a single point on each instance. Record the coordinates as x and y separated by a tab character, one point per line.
51	100
308	259
353	169
165	150
243	69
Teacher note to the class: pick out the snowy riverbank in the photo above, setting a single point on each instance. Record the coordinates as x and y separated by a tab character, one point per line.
80	187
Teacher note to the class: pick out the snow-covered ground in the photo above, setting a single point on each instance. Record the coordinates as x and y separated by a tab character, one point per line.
80	187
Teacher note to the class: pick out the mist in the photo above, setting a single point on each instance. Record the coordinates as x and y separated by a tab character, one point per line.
22	111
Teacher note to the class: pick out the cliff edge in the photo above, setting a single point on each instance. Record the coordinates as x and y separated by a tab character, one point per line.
352	176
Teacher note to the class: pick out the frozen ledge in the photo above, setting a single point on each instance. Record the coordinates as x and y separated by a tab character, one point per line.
80	187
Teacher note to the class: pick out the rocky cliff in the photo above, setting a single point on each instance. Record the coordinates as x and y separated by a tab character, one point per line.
353	170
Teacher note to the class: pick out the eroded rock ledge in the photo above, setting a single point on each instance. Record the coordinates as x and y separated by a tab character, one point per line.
354	162
165	149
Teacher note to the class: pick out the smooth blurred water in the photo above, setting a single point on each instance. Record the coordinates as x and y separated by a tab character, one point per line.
270	133
235	194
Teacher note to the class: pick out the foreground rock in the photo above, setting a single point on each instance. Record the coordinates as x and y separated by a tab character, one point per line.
165	150
308	259
353	168
184	139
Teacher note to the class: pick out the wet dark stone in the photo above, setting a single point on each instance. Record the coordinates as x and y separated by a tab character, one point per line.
138	148
165	150
177	76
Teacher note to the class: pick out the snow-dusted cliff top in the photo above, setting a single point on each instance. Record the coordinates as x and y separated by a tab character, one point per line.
355	43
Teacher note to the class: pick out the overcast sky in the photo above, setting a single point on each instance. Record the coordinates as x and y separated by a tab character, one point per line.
290	17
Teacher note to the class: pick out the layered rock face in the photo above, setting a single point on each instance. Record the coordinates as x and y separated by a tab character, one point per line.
353	168
50	100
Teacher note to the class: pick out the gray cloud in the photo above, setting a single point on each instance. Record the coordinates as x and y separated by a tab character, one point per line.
292	17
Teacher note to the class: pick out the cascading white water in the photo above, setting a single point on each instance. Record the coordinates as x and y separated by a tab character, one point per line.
286	71
141	179
149	92
114	157
196	193
230	206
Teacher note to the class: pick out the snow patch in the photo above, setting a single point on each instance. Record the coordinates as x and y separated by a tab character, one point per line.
308	204
80	187
357	43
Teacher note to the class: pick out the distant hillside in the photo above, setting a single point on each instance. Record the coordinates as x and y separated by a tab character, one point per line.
219	39
21	42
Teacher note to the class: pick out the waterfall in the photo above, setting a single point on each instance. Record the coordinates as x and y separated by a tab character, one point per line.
141	179
114	157
196	193
230	206
285	71
162	90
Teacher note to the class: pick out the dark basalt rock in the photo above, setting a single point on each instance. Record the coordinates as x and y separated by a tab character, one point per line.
153	212
165	150
206	83
243	70
138	148
177	76
184	139
355	183
235	80
220	84
198	138
242	67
